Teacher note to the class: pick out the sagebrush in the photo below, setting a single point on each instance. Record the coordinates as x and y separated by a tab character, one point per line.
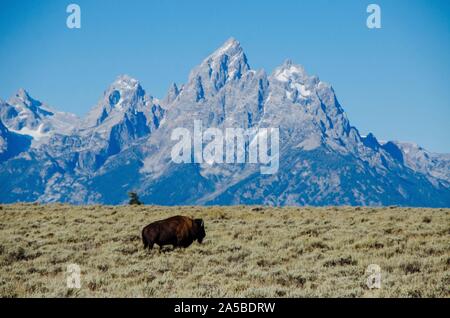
248	252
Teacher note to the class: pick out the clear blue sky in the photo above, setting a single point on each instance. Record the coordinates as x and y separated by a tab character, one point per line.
393	82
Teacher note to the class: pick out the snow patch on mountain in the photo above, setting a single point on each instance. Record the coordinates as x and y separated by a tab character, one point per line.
37	133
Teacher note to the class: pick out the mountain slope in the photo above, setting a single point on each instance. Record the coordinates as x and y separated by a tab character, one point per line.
11	144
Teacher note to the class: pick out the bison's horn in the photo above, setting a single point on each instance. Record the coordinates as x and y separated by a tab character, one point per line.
202	224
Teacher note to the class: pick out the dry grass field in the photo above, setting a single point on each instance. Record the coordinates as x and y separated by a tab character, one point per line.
247	252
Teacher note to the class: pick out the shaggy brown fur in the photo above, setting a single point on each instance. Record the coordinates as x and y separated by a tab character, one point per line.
179	231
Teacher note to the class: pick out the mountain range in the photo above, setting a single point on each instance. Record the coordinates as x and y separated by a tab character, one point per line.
123	144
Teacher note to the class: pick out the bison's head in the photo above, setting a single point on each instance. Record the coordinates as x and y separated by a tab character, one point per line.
200	230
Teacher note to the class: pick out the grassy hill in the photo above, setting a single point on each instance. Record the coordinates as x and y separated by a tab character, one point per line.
248	252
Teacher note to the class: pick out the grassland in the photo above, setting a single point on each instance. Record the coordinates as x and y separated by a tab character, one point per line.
248	252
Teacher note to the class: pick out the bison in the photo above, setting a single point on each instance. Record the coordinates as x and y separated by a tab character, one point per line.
179	231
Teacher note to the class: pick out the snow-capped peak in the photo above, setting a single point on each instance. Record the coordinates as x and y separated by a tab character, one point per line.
126	106
24	115
294	81
228	63
121	95
230	47
229	58
125	82
289	71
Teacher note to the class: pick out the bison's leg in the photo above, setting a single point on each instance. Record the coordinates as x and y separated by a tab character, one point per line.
144	240
161	248
147	242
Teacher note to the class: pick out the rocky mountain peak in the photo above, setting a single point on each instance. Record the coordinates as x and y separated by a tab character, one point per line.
24	101
125	82
172	93
226	64
123	95
289	71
